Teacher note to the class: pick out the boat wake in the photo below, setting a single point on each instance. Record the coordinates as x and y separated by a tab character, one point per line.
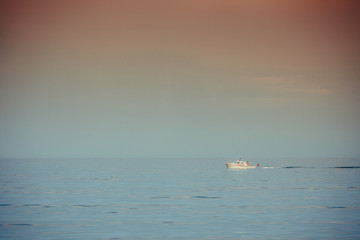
297	167
303	167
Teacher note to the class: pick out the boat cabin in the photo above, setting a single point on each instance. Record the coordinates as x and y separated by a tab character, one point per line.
242	163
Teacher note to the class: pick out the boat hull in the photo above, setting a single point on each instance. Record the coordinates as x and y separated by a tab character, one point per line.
238	166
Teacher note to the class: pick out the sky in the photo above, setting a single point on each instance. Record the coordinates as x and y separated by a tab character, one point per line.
190	78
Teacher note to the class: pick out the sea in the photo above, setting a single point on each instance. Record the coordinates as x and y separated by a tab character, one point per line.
179	198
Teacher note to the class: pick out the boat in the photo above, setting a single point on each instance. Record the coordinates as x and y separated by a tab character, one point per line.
241	164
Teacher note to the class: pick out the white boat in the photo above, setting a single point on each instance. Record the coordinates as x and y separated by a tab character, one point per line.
240	164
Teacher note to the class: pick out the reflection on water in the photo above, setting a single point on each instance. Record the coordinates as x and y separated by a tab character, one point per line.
121	199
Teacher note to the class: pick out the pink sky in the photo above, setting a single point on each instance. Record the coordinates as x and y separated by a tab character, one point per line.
223	36
180	55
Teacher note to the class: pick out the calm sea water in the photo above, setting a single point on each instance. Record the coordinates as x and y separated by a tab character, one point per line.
179	199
